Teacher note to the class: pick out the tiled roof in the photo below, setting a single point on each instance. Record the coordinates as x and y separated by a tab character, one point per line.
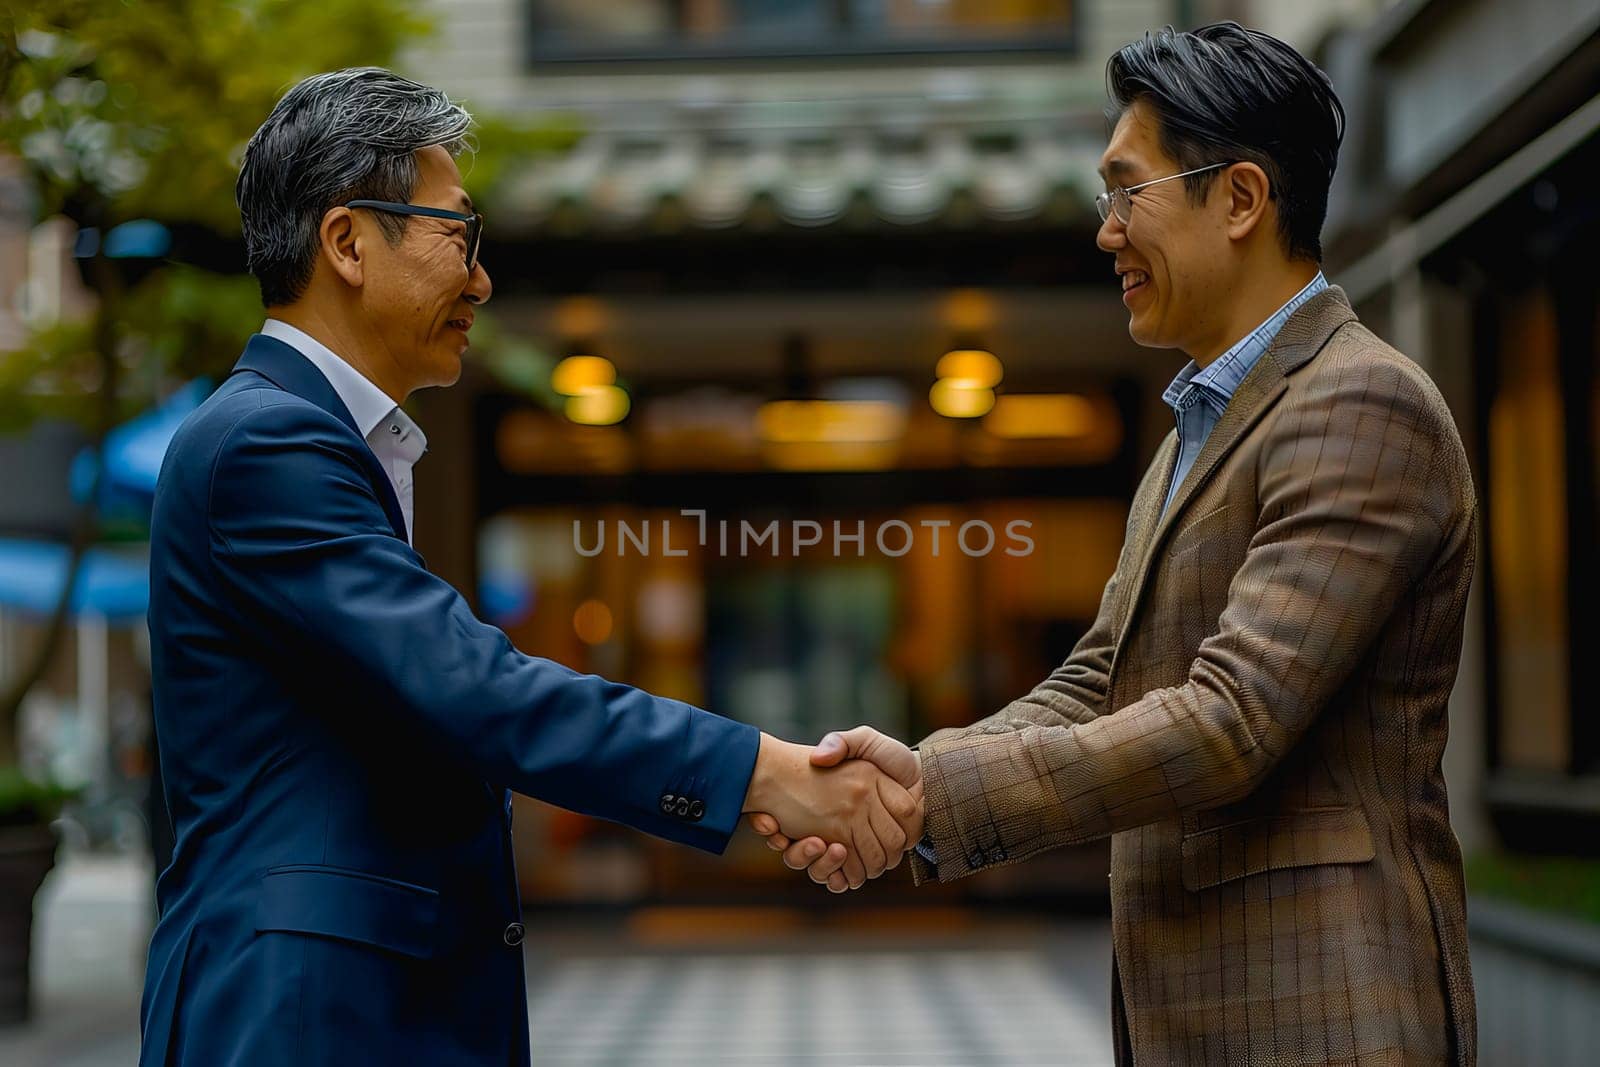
940	178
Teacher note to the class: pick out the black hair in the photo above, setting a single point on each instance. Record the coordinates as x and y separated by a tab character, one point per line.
1225	93
346	135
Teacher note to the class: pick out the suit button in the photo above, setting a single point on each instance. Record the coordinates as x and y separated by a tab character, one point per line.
667	801
975	860
697	811
514	934
997	855
682	809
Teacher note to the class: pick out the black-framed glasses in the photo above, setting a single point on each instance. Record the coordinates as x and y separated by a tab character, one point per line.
474	222
1119	200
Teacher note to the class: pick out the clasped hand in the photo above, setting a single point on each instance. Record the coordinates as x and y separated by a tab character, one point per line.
845	811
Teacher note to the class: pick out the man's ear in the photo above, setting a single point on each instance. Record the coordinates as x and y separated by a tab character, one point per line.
341	245
1249	194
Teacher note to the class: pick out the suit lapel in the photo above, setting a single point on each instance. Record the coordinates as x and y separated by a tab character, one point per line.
1255	396
292	372
1301	338
1145	514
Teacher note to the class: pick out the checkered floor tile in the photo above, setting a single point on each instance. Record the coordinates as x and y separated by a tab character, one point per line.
856	1009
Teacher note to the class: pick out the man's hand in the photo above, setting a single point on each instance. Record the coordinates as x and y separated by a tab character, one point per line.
829	863
871	816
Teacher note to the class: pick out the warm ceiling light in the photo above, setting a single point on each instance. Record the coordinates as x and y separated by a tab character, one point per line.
979	369
829	421
598	407
577	375
958	398
1041	415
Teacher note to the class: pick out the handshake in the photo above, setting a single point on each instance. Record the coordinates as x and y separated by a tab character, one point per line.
845	811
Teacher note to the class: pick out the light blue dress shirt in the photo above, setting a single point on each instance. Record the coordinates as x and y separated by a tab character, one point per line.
1199	397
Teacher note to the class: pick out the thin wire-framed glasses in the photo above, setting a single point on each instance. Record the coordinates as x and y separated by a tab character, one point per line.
474	222
1119	200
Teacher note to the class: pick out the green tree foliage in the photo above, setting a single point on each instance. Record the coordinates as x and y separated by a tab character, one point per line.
148	103
123	109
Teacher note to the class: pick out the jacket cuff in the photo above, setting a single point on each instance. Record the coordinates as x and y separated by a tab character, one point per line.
964	845
702	804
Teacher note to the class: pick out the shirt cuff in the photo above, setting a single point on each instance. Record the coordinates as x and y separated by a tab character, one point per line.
926	851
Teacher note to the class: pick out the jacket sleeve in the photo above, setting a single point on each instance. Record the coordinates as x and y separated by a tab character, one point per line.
1358	499
304	552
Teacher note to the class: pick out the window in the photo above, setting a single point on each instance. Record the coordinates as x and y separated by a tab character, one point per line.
1527	523
1543	511
690	29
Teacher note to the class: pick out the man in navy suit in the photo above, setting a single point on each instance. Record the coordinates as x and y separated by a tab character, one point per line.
338	733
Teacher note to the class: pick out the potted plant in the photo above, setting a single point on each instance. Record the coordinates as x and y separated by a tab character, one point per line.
27	852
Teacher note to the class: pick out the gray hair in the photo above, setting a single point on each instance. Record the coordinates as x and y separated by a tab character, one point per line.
345	135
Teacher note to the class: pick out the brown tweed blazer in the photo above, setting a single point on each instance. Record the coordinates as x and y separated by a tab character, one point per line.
1257	717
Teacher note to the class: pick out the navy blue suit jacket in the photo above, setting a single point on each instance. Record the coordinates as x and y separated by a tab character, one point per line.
338	733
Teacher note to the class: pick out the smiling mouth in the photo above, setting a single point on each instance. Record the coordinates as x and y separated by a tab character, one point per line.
462	324
1134	279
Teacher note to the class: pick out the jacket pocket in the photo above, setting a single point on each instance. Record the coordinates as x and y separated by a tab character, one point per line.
1306	838
350	906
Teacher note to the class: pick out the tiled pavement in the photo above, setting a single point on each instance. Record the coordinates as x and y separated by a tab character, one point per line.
891	1007
942	991
90	930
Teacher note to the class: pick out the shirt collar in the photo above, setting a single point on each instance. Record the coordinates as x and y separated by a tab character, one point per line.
1217	383
1179	394
368	404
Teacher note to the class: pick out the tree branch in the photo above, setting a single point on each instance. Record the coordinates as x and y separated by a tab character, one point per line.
85	526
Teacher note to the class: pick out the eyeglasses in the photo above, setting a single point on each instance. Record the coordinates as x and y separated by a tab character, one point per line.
474	222
1120	200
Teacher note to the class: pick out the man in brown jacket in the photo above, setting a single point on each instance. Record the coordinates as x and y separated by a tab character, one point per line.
1258	713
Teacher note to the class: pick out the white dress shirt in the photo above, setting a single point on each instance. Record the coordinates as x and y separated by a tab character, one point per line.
394	438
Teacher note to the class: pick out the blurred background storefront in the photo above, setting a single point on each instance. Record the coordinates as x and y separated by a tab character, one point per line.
776	221
806	298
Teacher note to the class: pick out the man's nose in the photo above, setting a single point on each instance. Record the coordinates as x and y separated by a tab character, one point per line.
1112	236
479	287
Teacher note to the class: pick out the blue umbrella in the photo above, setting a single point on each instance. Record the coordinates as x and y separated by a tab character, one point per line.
113	583
134	452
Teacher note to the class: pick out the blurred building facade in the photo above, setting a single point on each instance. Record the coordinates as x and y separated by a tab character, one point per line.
1461	224
774	222
815	202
